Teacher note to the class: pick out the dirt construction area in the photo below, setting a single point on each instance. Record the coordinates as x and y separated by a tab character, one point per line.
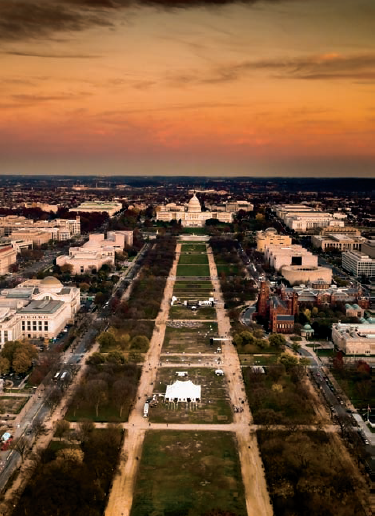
189	340
214	407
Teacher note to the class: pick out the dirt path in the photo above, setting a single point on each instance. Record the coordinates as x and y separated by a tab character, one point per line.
121	496
257	498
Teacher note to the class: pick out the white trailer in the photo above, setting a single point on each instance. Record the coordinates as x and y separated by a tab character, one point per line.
145	409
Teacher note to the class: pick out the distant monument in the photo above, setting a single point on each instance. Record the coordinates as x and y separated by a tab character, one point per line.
191	216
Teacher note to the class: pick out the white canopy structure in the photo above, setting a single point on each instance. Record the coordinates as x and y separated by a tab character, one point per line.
183	391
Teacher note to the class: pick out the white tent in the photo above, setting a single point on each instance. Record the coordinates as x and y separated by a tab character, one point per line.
183	391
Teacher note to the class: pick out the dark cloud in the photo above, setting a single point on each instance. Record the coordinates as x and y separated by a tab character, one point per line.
40	98
35	19
30	100
164	4
327	66
49	55
38	19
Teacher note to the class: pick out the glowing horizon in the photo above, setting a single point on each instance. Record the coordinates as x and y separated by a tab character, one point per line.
282	86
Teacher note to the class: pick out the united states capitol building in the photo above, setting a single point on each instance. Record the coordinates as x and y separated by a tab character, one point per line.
191	214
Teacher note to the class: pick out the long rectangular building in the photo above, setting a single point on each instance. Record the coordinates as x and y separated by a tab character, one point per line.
358	263
97	206
354	339
302	218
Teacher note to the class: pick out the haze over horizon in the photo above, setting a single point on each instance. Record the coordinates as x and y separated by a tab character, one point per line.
188	87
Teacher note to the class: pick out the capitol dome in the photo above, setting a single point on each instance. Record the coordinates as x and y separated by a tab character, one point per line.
194	205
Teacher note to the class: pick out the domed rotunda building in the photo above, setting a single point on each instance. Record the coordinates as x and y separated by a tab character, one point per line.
191	215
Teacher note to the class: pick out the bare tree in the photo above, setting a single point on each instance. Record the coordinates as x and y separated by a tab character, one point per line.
39	428
21	445
85	429
122	391
62	427
96	392
54	397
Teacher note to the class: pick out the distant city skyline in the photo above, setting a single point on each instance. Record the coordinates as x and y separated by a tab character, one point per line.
258	88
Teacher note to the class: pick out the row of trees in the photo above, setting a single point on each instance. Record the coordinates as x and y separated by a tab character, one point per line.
355	379
108	385
321	318
236	288
280	396
109	342
307	476
246	341
17	356
148	288
71	479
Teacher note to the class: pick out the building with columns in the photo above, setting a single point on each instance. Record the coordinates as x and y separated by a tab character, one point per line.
191	215
37	309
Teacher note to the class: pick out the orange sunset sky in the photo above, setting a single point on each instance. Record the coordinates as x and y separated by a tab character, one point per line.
187	87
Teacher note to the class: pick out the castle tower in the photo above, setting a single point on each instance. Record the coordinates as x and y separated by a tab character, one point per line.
264	295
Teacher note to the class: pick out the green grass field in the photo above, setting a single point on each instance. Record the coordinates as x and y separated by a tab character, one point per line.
193	285
182	312
194	231
188	259
193	270
189	474
187	295
193	248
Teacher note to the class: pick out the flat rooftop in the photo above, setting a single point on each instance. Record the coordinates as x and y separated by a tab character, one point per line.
44	306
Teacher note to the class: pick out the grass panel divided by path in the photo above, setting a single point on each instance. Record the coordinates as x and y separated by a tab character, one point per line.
229	270
193	248
189	340
214	407
193	289
189	473
197	295
188	259
193	270
182	312
193	285
194	231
